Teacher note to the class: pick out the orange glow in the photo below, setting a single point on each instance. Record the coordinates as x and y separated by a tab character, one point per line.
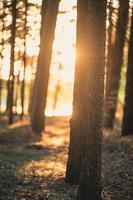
63	54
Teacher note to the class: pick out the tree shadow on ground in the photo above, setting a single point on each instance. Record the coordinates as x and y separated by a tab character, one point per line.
12	137
27	167
35	170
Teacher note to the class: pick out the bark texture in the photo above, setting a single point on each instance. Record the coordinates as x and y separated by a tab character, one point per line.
116	61
127	125
90	179
49	15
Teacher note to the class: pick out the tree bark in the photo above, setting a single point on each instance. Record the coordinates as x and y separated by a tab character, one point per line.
86	134
116	64
127	125
49	15
90	178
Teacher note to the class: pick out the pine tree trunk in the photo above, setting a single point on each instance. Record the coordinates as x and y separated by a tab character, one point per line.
127	125
1	55
49	15
7	98
24	59
90	178
76	123
109	47
116	64
16	92
12	59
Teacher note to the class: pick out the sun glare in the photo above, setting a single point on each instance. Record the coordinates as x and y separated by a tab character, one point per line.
63	57
60	90
63	61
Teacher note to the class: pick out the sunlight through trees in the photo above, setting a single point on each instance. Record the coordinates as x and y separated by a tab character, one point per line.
66	113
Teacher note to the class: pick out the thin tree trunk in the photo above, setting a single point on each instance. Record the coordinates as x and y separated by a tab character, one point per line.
90	179
56	94
16	91
127	125
116	64
49	15
12	59
7	99
57	89
2	47
24	59
109	37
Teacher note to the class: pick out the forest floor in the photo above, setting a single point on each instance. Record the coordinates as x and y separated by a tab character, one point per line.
31	170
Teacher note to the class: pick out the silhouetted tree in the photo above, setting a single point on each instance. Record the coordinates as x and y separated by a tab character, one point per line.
2	47
12	59
56	94
127	125
16	92
109	46
57	89
24	61
116	61
49	15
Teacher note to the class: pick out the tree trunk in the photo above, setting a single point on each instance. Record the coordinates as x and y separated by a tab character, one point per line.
49	15
24	59
127	125
116	64
109	46
12	59
1	55
76	123
90	178
16	92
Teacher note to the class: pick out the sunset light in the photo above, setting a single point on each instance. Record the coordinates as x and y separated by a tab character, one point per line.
63	55
66	99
